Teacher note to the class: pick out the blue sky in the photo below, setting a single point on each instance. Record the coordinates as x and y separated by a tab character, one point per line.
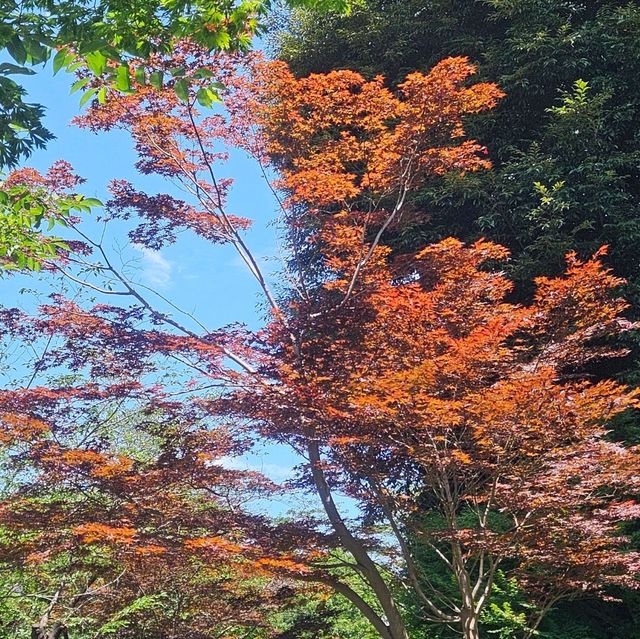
207	280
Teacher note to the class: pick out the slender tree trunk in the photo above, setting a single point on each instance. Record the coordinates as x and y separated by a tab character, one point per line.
395	627
468	610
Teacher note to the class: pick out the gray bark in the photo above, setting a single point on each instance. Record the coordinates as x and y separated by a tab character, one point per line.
393	622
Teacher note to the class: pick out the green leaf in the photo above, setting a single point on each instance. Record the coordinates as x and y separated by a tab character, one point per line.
207	97
203	72
102	95
123	78
61	60
219	40
182	90
92	46
155	80
112	53
92	201
140	76
16	50
7	68
87	95
97	62
204	99
36	51
143	49
80	84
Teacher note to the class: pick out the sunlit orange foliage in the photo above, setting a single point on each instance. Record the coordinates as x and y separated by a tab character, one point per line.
339	134
101	533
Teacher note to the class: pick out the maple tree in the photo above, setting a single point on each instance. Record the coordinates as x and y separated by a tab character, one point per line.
407	381
416	382
562	152
119	503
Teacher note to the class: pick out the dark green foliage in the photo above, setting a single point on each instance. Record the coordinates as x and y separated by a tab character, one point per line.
592	620
21	129
322	618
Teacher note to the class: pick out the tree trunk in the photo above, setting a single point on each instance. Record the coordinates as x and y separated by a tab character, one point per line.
395	627
469	623
469	610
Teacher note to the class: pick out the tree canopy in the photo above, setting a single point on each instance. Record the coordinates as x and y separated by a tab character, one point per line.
451	401
564	141
407	380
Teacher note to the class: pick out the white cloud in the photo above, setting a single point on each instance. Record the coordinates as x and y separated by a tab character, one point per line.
156	270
